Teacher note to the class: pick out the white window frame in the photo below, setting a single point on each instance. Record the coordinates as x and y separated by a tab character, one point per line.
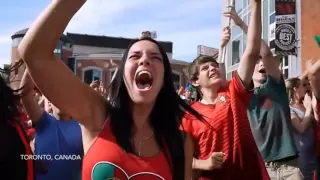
91	68
268	19
286	67
238	37
57	51
229	75
244	13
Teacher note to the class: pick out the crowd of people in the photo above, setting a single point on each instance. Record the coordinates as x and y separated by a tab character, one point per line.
256	126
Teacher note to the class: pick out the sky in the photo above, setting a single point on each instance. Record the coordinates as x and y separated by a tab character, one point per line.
187	23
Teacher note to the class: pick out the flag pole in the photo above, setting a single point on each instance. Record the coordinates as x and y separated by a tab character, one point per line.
230	6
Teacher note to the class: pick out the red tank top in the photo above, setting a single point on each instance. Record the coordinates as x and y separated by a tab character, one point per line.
105	160
30	163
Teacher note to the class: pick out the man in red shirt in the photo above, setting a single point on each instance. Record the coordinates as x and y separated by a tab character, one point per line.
227	149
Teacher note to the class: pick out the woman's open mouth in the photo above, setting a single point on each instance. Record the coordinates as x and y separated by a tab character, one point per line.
144	80
262	71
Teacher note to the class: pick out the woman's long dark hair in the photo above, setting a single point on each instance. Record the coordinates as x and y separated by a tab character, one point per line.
166	116
9	98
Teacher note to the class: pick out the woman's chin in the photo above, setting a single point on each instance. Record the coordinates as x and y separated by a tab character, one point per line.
143	99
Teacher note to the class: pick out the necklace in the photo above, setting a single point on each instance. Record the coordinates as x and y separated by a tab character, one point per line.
142	142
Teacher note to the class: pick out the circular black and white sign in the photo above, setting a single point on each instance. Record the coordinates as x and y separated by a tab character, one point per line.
285	37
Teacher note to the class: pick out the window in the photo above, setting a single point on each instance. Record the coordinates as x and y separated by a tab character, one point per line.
286	73
230	74
272	18
236	50
272	5
285	67
68	45
96	74
58	50
176	80
235	31
245	19
92	75
286	61
244	40
71	63
58	53
88	76
245	3
238	4
265	19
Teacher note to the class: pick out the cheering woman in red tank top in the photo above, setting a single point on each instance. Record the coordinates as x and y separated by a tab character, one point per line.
135	135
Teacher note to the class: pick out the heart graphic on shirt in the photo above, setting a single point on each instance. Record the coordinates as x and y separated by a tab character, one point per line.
108	171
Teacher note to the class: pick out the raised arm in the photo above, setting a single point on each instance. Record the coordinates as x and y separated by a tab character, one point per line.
301	124
226	34
304	76
314	76
28	100
252	51
41	101
270	63
53	77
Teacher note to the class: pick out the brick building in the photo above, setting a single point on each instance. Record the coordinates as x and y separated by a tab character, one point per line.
307	23
309	19
92	55
89	56
63	51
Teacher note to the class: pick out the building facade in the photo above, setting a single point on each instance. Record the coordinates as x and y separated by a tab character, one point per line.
92	55
89	56
63	51
306	19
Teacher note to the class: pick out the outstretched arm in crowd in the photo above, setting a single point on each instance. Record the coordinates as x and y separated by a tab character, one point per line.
270	63
313	70
251	54
314	76
41	101
221	58
52	77
28	100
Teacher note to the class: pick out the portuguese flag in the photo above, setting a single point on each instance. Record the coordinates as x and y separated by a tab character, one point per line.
317	37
